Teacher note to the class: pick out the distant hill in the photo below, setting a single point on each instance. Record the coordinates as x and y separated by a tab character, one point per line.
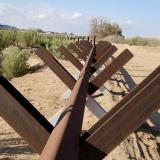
5	27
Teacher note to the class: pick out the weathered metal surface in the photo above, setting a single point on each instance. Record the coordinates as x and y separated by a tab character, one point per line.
102	48
110	70
70	57
23	117
94	40
68	129
77	64
116	108
106	55
56	67
87	44
82	48
77	50
101	44
126	120
97	82
93	106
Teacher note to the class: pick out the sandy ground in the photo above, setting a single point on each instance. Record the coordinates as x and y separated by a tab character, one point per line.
43	89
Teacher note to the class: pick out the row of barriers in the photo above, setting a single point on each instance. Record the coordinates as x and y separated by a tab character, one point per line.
62	138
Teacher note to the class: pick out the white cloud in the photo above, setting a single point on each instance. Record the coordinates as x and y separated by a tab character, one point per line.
76	15
42	16
70	16
41	12
129	22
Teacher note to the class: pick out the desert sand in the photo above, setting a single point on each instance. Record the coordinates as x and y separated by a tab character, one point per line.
44	89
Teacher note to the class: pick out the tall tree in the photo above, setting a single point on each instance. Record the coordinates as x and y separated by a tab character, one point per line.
102	28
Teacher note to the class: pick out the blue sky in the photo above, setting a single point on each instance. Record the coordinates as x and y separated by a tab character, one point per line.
136	17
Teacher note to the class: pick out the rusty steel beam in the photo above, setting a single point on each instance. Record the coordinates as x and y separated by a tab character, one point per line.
70	57
69	80
106	55
56	67
26	120
100	45
94	40
75	49
85	47
87	44
117	107
105	51
101	52
82	48
110	70
119	126
64	140
97	81
102	48
92	107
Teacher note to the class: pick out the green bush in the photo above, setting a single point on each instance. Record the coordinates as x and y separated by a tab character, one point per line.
56	43
33	39
139	41
27	38
14	62
45	40
7	38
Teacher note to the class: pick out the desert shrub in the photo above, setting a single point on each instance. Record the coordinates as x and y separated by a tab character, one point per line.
54	48
139	41
33	39
27	38
14	62
7	38
56	43
45	40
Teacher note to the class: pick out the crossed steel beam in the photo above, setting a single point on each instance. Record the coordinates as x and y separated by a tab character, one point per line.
123	119
102	137
95	83
20	114
62	135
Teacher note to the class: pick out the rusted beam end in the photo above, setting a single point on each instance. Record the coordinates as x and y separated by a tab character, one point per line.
110	70
102	46
106	55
